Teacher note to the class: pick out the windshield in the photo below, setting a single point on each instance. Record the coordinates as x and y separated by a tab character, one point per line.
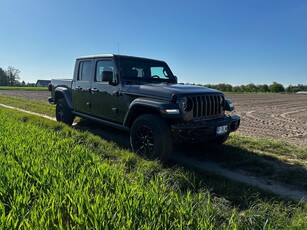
145	70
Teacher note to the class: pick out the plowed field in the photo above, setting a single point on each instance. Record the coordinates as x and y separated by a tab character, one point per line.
276	116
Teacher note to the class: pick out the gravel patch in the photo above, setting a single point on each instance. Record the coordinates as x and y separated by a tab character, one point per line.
32	95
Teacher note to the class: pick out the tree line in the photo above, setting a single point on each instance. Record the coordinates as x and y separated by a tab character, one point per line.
275	87
10	77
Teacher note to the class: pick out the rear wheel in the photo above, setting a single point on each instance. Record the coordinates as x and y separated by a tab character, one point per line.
63	113
151	137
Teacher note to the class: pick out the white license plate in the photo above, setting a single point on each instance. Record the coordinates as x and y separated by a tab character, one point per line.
221	130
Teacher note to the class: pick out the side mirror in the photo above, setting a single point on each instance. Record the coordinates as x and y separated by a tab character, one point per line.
176	78
49	87
107	76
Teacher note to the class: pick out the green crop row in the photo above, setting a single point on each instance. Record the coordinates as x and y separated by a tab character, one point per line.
30	105
54	177
26	88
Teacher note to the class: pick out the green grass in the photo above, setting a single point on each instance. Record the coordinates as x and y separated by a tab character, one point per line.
54	177
276	160
23	88
273	159
274	148
30	105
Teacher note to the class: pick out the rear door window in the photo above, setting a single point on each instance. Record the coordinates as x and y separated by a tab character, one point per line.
85	69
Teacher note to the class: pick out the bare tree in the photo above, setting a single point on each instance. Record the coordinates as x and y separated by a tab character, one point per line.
13	75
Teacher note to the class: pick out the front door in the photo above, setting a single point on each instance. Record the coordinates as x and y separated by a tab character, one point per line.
104	96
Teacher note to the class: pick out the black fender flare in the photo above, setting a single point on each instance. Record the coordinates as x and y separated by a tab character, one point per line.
62	92
149	105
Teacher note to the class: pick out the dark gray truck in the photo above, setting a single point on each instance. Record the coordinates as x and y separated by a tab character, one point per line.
142	96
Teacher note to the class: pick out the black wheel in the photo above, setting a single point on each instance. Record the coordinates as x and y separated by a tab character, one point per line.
219	140
63	113
151	137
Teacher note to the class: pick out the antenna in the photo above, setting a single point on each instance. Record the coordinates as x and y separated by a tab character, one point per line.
118	58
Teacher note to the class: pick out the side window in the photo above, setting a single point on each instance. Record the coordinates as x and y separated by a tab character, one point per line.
158	72
85	68
103	66
140	71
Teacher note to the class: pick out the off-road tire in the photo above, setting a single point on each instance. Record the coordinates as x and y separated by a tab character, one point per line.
219	140
151	137
63	113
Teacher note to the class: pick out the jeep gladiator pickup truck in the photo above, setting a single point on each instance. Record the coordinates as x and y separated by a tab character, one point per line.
142	96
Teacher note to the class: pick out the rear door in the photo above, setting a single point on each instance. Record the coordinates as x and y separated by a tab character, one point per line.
81	86
104	96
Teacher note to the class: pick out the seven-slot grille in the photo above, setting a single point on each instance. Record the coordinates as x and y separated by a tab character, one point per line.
207	106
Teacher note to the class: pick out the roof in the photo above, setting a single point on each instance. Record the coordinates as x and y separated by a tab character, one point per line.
97	56
113	55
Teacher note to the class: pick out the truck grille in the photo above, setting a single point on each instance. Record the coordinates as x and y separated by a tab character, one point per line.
208	106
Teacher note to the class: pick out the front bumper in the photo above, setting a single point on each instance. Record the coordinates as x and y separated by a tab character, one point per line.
204	129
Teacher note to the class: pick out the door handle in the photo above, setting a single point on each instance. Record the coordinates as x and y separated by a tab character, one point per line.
117	93
94	90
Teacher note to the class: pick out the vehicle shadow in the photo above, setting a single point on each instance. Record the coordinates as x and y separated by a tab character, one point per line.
239	159
108	133
229	157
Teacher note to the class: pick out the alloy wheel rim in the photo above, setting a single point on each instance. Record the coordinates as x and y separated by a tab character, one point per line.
145	143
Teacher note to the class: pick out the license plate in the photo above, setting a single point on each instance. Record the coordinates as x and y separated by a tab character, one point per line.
221	130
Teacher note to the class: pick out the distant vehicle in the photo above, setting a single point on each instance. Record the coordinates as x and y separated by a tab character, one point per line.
141	96
301	92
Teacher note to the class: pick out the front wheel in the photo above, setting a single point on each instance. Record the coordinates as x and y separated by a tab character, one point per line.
219	140
151	137
63	113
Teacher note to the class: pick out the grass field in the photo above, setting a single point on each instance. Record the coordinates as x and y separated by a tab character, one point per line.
53	176
273	159
23	88
26	104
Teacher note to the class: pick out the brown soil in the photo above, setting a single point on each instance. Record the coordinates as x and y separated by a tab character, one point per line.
275	116
32	95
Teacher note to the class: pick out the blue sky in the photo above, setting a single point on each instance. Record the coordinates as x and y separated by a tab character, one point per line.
208	42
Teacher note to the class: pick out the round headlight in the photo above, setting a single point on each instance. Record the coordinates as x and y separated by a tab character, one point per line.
183	103
228	105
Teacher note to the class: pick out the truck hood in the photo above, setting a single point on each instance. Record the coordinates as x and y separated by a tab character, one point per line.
166	90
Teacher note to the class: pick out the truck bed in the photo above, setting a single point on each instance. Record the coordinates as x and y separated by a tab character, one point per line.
61	82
